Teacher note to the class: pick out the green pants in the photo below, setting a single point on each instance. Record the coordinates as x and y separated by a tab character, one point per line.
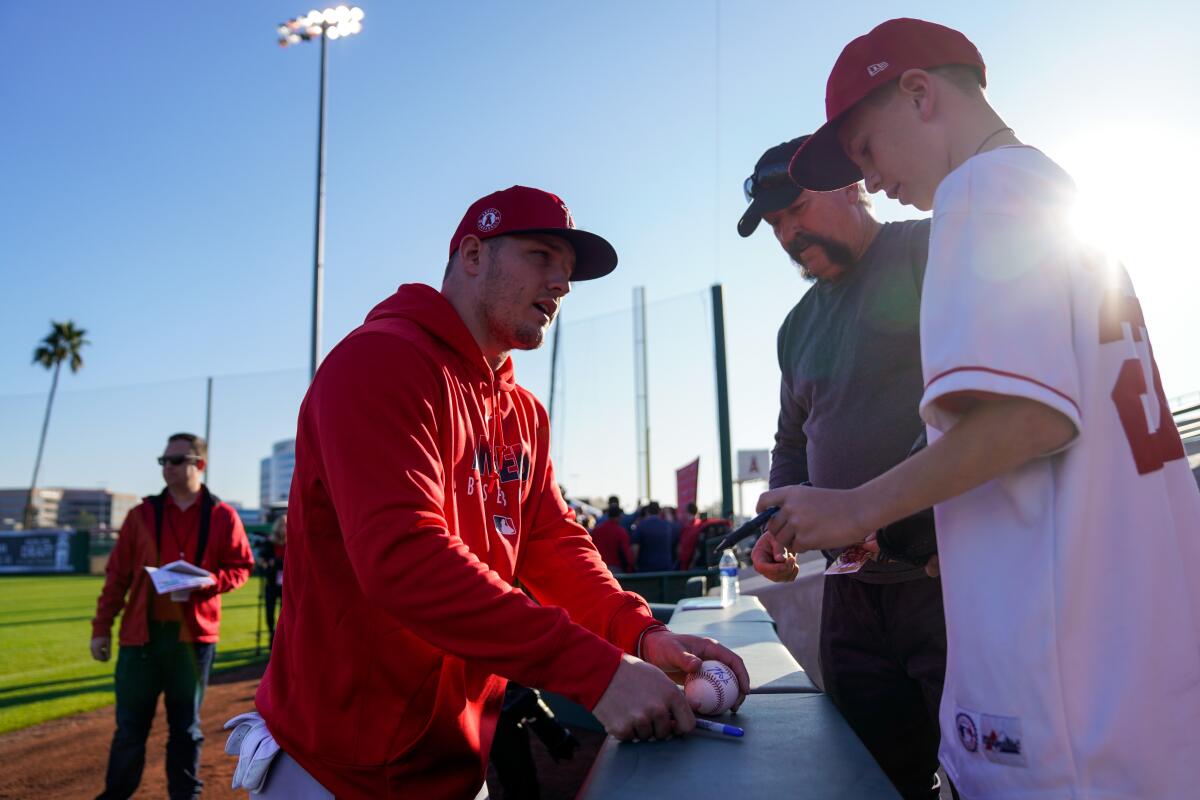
178	671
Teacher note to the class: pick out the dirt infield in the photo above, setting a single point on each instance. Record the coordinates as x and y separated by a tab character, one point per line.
65	758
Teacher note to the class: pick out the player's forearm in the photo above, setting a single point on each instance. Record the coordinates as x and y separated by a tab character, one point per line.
993	438
570	573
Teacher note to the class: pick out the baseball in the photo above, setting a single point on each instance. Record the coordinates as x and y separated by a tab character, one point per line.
712	690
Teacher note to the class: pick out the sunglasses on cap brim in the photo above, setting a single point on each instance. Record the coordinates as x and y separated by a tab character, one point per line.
769	178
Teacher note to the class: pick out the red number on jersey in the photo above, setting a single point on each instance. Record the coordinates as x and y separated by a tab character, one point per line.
1151	449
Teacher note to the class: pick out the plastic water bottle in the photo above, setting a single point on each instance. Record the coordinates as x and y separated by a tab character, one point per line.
729	577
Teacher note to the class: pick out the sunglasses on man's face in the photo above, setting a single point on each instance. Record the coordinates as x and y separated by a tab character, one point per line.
175	461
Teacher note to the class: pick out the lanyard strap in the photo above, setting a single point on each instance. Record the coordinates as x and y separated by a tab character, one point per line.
208	502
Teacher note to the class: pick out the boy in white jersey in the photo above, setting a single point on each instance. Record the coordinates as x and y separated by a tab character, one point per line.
1067	518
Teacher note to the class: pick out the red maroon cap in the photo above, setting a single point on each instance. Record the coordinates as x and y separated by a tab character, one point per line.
520	209
869	62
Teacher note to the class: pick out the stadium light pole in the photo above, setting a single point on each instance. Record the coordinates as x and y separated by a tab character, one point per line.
332	23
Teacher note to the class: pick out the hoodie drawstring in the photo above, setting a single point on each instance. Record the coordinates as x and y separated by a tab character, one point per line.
493	477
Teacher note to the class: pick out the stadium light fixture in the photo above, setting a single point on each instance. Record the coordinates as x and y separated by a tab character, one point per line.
331	24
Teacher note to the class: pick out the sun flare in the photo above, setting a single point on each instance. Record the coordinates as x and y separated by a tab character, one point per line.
1131	201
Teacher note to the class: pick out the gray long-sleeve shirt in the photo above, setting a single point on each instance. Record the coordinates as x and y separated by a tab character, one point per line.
850	358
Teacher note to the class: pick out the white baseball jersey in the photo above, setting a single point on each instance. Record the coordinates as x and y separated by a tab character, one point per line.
1072	616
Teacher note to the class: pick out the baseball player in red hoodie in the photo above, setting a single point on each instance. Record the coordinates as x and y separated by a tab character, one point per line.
423	495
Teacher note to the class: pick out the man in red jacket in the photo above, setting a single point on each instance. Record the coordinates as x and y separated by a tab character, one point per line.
612	541
423	494
167	644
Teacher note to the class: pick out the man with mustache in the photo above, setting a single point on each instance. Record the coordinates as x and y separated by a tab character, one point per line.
849	353
1068	522
423	494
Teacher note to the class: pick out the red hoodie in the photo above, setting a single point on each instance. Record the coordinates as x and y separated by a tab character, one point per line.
412	514
226	554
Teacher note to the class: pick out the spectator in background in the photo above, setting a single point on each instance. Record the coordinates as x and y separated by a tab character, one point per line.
613	542
629	521
655	541
688	537
671	515
167	644
270	560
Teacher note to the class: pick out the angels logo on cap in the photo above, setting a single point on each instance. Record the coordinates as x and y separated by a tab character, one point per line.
524	210
489	220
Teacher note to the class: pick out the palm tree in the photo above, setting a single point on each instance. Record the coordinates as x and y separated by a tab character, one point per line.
63	343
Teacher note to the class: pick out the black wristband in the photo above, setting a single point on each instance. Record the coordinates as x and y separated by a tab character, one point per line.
912	540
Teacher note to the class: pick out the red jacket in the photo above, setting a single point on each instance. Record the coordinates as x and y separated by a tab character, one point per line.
687	544
612	540
227	555
412	514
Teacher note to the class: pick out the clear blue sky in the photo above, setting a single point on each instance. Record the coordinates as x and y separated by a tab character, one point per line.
159	167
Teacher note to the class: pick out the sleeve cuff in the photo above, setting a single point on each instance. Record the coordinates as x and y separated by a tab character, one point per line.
650	629
992	381
631	624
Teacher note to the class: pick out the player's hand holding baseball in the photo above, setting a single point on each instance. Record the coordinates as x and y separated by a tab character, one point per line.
779	569
681	654
641	702
812	519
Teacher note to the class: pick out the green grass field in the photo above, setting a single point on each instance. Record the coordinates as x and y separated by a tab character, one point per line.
46	668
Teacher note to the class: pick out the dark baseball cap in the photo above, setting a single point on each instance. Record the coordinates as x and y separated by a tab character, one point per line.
873	60
770	188
521	209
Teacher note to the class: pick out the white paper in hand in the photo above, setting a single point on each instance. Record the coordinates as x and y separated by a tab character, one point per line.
179	576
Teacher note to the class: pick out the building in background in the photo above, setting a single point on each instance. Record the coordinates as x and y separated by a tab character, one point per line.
45	507
67	508
95	508
275	474
249	516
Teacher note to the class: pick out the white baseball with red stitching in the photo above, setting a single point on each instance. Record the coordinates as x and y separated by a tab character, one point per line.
712	690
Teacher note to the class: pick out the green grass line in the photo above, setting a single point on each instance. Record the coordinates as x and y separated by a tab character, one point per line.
46	669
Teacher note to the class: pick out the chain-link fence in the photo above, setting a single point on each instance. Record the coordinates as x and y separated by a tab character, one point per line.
102	443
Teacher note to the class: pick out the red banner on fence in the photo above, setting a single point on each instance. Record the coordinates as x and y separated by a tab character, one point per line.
686	478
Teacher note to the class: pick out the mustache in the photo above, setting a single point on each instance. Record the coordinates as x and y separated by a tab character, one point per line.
835	251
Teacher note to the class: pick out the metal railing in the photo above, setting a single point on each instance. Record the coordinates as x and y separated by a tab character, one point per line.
1188	421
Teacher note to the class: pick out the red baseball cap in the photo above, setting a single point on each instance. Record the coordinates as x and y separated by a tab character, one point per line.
867	63
520	209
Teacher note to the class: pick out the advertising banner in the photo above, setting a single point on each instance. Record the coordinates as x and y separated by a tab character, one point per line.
46	550
685	484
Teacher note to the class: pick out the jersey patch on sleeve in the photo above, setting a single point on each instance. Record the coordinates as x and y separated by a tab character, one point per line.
1002	740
